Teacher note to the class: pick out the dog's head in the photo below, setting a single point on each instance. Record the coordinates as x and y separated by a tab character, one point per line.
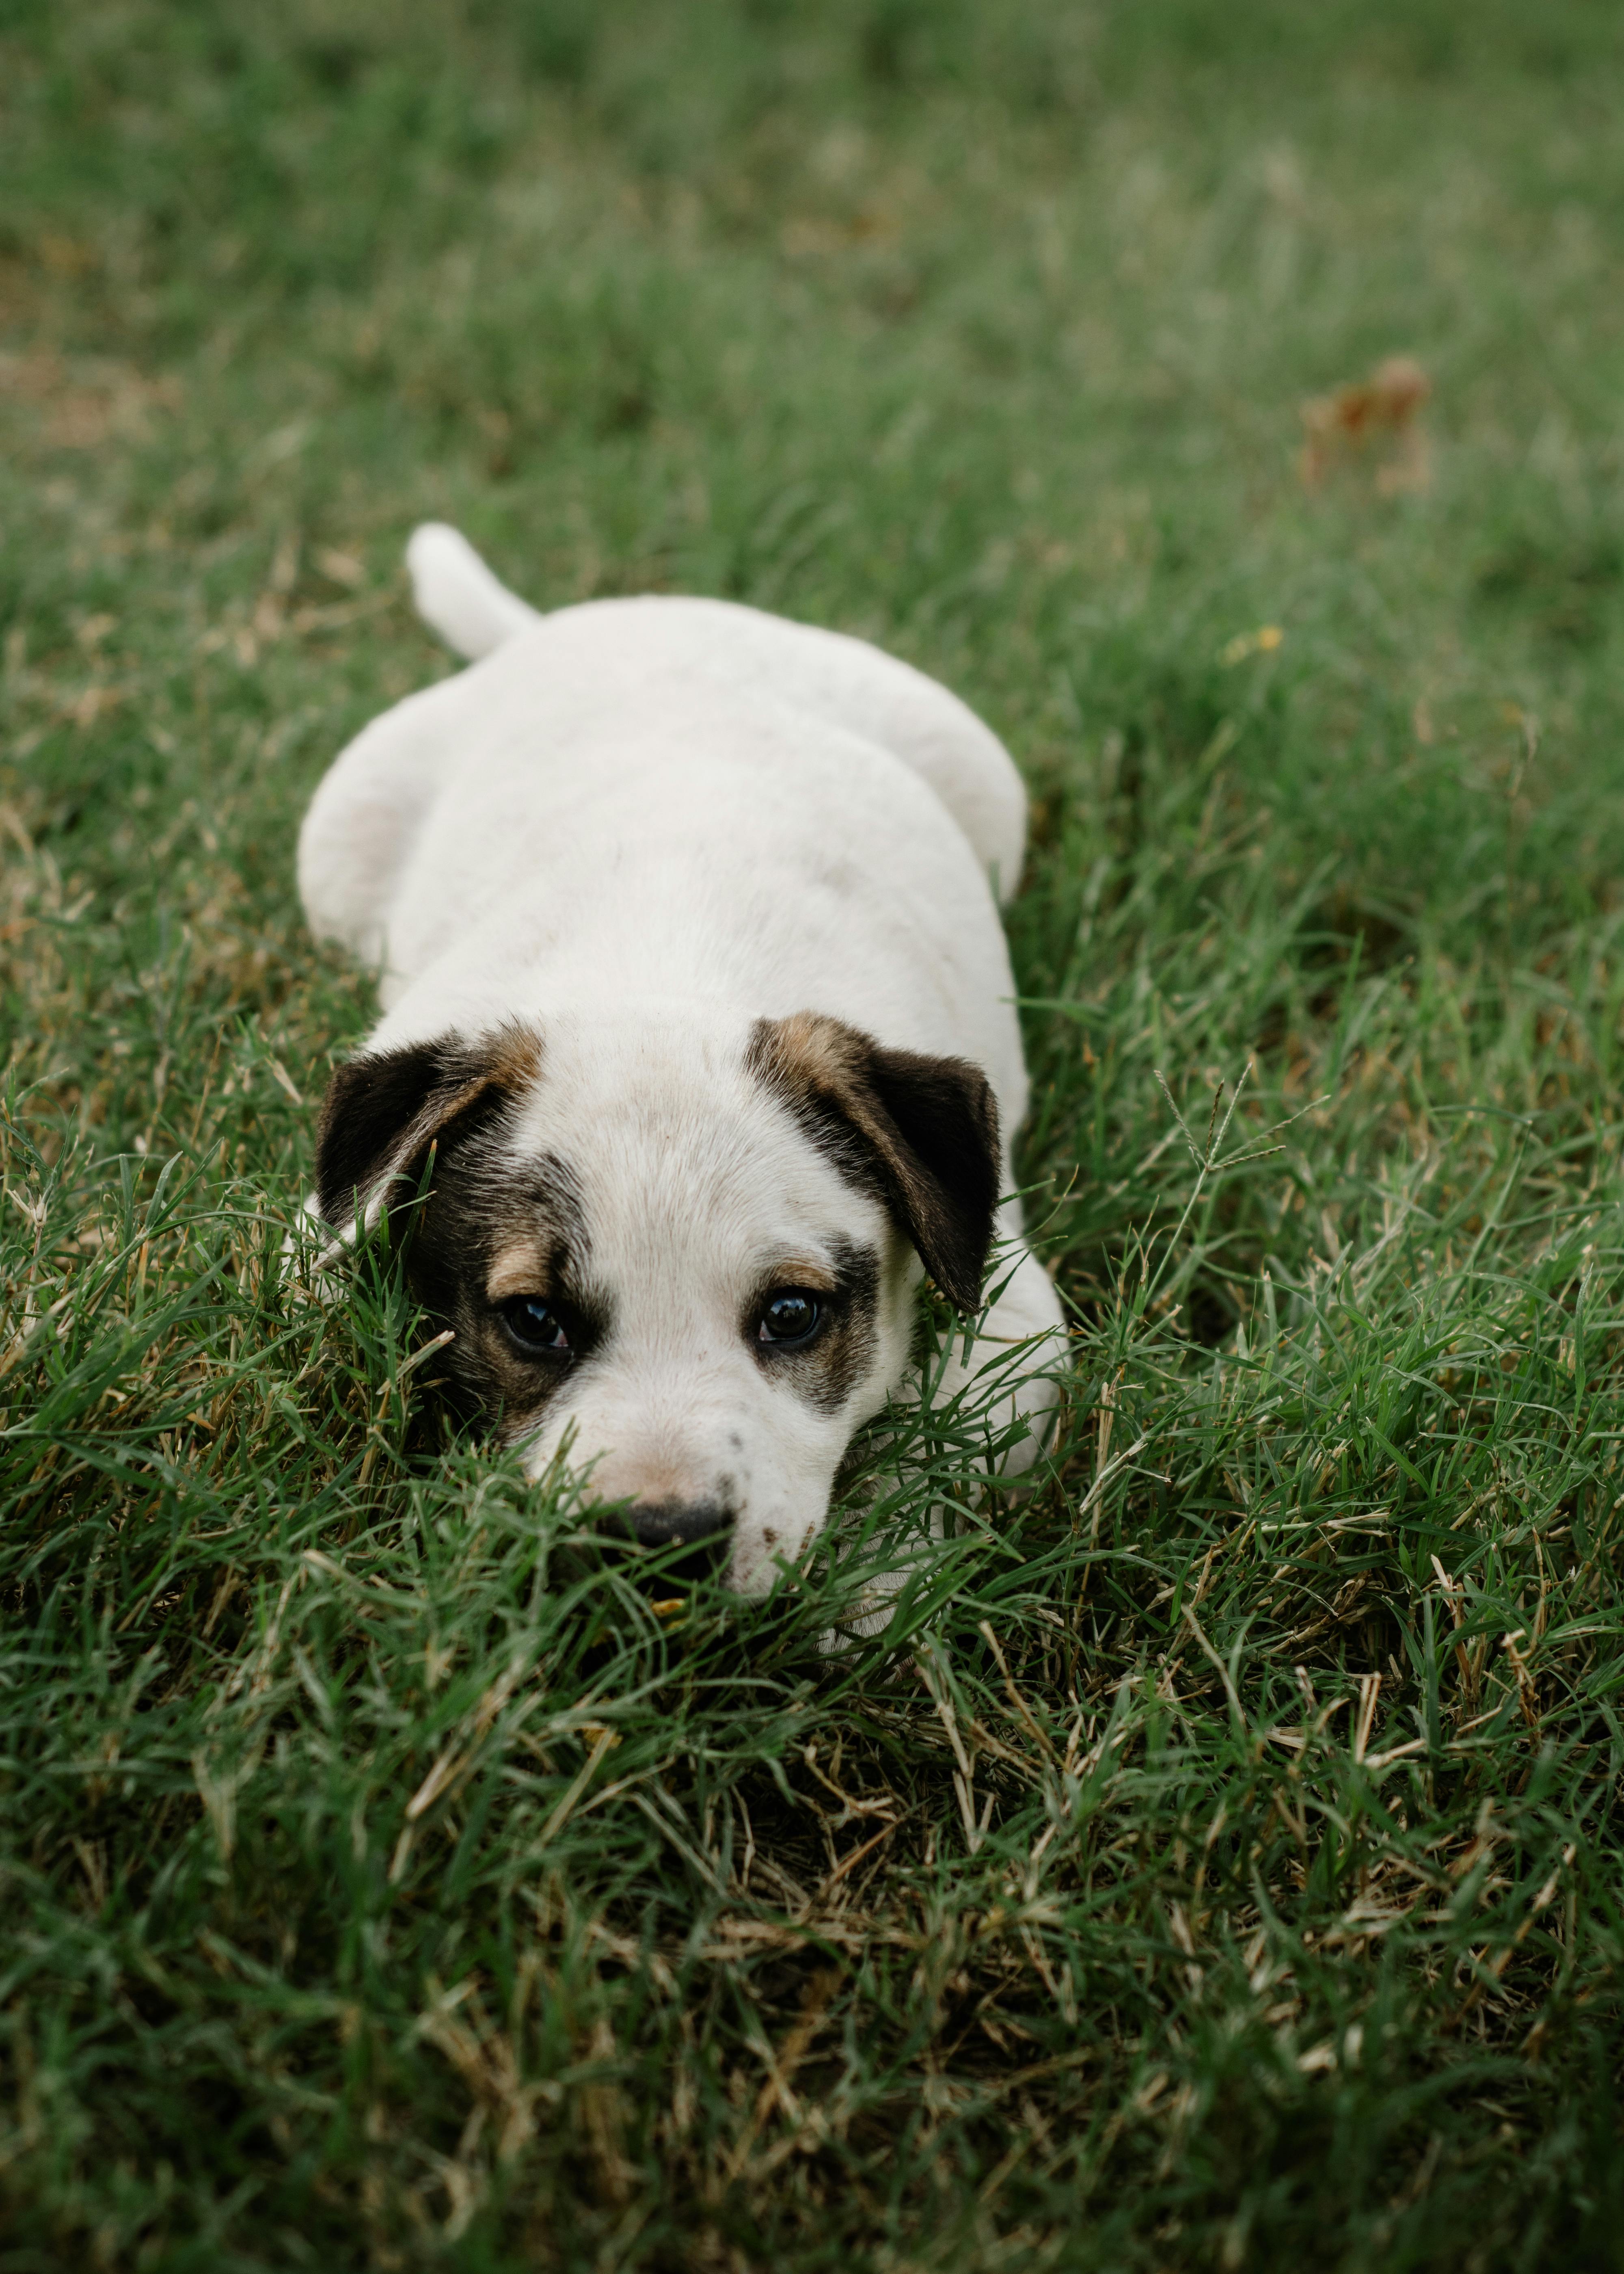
684	1255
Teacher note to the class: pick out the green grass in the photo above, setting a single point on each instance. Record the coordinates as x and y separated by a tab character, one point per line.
1216	1863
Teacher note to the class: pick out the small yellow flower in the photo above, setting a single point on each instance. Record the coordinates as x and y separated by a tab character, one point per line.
1263	641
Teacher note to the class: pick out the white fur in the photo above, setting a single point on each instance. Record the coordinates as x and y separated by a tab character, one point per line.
642	825
458	596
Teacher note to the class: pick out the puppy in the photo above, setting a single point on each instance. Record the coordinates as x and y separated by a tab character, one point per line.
698	1022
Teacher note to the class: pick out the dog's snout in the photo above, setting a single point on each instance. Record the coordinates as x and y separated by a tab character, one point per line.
702	1529
680	1523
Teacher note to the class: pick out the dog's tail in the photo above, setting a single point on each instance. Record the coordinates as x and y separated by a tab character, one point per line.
458	596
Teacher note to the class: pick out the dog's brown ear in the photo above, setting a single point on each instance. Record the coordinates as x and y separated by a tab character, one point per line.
384	1109
922	1132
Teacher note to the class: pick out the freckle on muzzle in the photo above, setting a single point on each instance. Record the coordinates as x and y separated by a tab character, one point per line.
704	1529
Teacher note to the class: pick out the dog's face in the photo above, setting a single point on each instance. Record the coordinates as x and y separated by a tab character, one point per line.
683	1256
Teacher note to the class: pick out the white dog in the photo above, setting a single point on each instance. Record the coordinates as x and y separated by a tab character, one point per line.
693	978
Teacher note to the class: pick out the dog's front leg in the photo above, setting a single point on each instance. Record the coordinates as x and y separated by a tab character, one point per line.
1007	1375
1006	1382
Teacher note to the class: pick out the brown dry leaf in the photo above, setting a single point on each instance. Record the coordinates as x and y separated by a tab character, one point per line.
89	401
1370	422
340	568
65	256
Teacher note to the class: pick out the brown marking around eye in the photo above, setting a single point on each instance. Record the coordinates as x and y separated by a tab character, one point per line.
495	1227
817	1277
826	1370
524	1268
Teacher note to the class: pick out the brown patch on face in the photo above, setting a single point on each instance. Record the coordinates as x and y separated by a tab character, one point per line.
521	1270
830	1365
490	1228
919	1132
385	1109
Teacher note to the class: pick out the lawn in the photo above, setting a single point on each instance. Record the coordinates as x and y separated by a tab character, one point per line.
1215	1863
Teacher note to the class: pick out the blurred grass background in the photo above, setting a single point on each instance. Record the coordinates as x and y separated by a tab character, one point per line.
1216	1863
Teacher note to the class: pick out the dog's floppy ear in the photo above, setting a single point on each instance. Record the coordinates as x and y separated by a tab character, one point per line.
922	1132
384	1109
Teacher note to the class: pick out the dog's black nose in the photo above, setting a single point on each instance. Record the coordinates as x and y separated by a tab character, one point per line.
702	1527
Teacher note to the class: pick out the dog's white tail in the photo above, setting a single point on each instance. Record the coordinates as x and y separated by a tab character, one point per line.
458	596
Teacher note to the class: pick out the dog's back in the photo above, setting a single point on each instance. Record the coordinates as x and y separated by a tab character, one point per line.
550	694
607	647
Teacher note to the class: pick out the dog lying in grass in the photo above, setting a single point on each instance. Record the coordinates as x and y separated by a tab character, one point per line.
693	983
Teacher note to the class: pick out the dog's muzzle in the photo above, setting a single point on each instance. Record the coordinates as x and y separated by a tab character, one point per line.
703	1528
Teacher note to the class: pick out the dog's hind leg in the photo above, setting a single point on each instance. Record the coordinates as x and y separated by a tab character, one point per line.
366	816
458	596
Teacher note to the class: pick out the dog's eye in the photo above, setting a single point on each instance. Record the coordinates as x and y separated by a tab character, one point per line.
789	1316
537	1327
